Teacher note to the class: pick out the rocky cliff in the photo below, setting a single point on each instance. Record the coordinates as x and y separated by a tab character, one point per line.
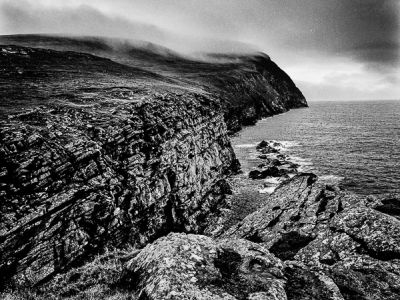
97	153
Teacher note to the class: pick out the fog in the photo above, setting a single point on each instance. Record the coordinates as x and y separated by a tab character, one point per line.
336	49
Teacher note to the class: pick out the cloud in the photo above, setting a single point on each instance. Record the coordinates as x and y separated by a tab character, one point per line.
23	17
315	36
366	30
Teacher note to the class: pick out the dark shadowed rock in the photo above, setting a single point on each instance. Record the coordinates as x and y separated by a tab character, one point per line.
304	283
256	174
262	145
272	171
268	147
388	204
276	162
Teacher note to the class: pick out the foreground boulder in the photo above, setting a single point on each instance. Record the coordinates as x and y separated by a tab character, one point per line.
183	266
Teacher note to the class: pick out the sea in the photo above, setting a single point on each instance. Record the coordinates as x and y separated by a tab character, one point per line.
355	144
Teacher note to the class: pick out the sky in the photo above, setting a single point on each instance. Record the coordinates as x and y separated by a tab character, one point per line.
332	49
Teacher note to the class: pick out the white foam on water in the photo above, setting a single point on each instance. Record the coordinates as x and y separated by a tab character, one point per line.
288	144
284	145
300	161
331	178
306	169
267	190
245	146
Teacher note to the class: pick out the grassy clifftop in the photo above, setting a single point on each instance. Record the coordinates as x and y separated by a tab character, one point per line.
248	86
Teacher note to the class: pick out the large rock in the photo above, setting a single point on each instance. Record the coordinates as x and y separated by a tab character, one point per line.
183	266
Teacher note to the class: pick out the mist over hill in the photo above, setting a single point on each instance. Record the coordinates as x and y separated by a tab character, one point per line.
241	80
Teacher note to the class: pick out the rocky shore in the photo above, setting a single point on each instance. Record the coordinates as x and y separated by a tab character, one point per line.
111	189
309	241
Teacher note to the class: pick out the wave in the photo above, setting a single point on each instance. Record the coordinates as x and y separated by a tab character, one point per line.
301	161
331	178
288	144
245	146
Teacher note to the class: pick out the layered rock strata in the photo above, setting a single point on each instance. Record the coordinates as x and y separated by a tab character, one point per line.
74	181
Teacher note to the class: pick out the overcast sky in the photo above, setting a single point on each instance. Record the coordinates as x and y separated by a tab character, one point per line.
333	49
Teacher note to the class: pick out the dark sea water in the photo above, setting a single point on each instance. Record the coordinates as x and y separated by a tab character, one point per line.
356	144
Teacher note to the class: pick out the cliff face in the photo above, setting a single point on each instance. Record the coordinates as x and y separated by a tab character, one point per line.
100	154
76	181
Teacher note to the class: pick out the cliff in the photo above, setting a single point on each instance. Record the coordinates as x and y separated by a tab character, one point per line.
114	161
99	153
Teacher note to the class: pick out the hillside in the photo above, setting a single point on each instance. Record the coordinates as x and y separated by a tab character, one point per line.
248	86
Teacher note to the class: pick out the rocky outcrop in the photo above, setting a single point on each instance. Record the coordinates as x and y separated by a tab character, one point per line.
343	236
275	164
181	266
310	241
